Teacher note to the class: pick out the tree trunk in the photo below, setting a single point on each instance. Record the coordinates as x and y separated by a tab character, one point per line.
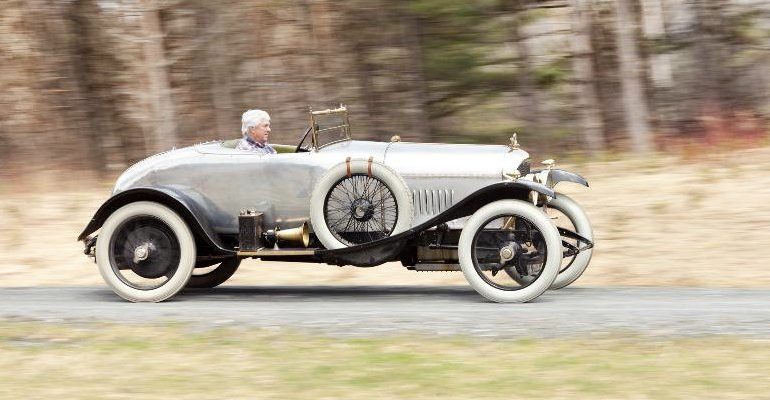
422	126
653	28
162	119
634	102
583	67
220	76
97	115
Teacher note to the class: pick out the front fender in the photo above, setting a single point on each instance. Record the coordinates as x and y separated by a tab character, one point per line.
559	175
169	197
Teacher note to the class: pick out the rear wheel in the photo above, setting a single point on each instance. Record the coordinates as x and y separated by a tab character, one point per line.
204	278
509	234
145	252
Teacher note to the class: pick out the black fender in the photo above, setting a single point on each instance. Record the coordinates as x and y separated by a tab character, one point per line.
560	175
380	251
205	237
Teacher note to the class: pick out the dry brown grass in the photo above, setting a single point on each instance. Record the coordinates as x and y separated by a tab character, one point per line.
173	361
658	221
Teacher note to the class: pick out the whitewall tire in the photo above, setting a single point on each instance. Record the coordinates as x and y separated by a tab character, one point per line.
582	227
357	202
484	239
213	278
145	252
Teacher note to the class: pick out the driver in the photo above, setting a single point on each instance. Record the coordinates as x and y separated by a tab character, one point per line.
255	126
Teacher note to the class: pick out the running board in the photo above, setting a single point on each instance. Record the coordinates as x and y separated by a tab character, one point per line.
269	252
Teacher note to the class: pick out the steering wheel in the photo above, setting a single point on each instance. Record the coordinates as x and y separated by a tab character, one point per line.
299	146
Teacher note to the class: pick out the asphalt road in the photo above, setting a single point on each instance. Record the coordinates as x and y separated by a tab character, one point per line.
374	311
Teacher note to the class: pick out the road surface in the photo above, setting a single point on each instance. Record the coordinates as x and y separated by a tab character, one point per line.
382	310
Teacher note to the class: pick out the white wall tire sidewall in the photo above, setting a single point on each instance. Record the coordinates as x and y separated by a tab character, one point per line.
382	172
582	225
541	222
186	247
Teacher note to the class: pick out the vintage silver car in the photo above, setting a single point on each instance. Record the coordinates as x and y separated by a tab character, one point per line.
187	217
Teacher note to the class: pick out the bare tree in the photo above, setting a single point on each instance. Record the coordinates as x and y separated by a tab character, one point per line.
653	29
583	67
412	40
634	102
161	108
525	76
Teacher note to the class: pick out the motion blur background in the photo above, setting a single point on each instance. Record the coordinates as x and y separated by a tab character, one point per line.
95	85
662	104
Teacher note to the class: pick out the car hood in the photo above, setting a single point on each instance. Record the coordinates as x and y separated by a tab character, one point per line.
452	160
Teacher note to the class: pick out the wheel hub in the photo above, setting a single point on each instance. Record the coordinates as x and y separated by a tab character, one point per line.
145	264
141	253
362	210
509	252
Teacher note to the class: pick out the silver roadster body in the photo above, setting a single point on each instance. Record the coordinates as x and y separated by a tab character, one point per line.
348	202
222	181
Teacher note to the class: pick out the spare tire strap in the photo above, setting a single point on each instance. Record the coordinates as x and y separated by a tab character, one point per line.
369	167
347	164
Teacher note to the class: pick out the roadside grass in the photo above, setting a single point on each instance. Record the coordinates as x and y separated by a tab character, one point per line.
90	361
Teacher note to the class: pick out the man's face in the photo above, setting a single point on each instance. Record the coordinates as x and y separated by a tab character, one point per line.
260	132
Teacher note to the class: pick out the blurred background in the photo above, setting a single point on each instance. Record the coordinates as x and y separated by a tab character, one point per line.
660	104
95	85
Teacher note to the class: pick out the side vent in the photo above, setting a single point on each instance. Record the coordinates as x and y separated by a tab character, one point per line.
429	202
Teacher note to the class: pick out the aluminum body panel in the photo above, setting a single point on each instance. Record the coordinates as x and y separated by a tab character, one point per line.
440	175
224	181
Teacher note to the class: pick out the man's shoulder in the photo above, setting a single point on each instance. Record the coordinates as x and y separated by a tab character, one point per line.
242	144
246	145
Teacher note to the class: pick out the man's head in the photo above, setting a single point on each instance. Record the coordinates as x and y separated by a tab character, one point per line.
255	124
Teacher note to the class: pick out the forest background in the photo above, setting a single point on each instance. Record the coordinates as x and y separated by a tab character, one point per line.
95	85
662	104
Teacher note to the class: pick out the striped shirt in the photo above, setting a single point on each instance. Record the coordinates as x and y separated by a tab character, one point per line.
250	145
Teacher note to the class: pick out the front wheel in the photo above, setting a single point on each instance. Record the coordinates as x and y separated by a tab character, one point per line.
571	216
566	213
145	252
509	234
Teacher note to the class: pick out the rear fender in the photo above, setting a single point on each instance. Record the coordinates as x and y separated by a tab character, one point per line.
173	198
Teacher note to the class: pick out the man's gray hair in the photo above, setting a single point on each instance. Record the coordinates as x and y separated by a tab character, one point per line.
253	118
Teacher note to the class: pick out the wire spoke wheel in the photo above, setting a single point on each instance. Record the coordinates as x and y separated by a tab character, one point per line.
511	244
503	240
360	209
359	201
565	213
561	220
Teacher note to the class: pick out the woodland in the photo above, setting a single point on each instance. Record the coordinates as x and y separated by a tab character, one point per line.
95	85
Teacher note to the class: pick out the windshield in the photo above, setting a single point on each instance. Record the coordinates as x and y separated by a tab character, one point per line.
330	126
332	130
